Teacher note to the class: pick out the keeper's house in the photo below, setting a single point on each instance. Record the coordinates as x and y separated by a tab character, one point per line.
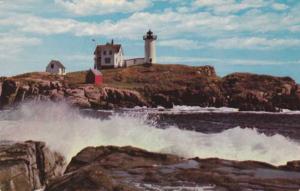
109	55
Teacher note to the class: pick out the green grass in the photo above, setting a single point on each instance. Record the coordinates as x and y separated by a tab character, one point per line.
37	76
159	76
75	77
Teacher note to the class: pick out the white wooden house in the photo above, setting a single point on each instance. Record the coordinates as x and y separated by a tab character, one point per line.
56	67
109	55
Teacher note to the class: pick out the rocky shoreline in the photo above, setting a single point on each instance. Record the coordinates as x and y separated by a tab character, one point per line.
31	165
84	96
142	86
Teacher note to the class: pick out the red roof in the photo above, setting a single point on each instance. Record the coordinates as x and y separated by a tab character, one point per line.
115	47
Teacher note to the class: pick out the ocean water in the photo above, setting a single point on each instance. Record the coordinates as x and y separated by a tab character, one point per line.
66	130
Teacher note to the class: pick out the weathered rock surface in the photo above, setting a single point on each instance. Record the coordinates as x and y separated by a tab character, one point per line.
122	97
113	168
9	92
28	166
292	165
161	86
260	92
83	96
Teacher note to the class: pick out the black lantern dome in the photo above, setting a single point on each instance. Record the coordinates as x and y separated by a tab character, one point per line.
150	36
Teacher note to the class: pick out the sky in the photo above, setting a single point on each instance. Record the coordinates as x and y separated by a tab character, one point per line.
257	36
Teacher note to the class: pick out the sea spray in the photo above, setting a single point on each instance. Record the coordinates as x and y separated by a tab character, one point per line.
64	129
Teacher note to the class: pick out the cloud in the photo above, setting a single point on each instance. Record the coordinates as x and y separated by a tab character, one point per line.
13	56
11	45
234	6
229	6
11	40
254	43
101	7
11	7
220	61
168	24
39	25
183	44
279	6
257	43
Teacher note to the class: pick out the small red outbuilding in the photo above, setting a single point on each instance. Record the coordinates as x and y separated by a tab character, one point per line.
94	77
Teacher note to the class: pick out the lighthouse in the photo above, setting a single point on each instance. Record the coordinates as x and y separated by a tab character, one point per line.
150	49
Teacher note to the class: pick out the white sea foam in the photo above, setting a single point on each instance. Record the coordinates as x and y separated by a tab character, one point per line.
183	109
65	130
198	109
175	188
179	109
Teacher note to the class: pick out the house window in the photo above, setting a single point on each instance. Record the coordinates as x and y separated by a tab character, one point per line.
52	66
104	52
110	52
107	60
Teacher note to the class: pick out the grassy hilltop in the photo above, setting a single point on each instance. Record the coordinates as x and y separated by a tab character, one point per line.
159	76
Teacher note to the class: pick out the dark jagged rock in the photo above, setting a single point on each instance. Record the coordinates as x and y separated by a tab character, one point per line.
84	96
122	97
292	165
114	157
28	166
127	168
162	100
261	92
9	92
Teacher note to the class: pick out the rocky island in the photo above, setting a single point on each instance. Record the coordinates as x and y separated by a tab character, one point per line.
159	85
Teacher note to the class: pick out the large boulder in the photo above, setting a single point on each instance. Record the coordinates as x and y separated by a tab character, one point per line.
200	91
9	92
28	166
93	168
292	165
162	100
260	92
127	169
92	93
119	157
122	97
89	178
76	97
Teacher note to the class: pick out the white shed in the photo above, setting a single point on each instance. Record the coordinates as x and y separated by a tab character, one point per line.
56	67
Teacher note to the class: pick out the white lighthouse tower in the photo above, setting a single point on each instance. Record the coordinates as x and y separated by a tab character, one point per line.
150	49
